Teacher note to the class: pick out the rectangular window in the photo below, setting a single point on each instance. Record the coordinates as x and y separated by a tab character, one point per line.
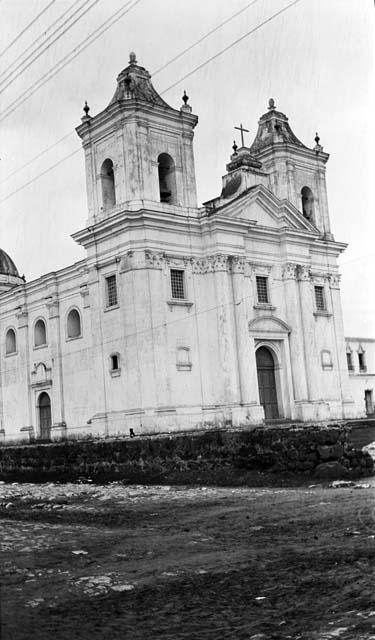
262	289
111	291
349	361
361	362
320	299
177	284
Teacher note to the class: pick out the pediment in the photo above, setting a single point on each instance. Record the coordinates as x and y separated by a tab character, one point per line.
262	207
268	325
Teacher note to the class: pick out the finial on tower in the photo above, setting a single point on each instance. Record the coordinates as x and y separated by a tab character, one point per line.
271	104
86	109
235	147
318	147
186	108
132	58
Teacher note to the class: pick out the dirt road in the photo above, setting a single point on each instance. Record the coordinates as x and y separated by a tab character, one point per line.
92	562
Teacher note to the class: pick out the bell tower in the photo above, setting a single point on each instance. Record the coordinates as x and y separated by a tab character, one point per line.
297	173
138	150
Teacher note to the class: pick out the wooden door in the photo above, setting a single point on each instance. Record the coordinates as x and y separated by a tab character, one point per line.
45	420
267	383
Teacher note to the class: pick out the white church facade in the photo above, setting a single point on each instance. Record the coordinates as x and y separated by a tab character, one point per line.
180	316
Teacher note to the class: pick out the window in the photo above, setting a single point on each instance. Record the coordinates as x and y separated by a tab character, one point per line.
326	359
183	359
177	284
10	342
307	203
73	324
349	361
362	362
167	179
369	402
40	336
115	365
262	289
107	177
320	299
111	291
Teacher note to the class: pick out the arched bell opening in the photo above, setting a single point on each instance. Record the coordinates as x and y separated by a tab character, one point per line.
167	179
107	177
307	199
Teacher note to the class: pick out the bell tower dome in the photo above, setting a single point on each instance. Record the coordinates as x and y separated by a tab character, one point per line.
297	173
139	150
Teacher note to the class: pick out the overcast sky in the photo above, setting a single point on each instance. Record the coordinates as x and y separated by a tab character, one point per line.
316	59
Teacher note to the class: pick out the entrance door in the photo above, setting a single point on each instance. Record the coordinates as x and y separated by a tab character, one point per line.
45	422
267	383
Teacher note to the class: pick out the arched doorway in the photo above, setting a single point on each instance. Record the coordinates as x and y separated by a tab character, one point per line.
267	383
45	422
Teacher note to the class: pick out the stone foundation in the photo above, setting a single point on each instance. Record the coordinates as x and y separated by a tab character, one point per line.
322	452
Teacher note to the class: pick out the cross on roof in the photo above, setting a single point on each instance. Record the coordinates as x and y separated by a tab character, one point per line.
240	128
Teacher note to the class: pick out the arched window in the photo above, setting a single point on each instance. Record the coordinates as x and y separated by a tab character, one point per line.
73	324
167	179
307	203
108	184
114	365
40	335
10	342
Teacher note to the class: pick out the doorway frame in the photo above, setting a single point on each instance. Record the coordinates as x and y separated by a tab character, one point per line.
37	393
273	333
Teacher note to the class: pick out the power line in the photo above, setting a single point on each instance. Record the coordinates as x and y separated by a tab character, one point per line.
161	93
209	33
68	58
42	35
22	66
27	27
154	74
23	166
246	35
40	175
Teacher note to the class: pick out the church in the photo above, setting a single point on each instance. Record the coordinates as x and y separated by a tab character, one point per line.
180	317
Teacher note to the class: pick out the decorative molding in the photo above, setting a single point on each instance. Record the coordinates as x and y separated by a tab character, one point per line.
175	302
319	277
268	324
180	262
260	269
237	264
303	272
22	316
334	280
85	294
41	375
211	264
290	271
45	384
198	265
52	304
324	314
154	260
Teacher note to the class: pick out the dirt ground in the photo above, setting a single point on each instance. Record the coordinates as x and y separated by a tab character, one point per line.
81	561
